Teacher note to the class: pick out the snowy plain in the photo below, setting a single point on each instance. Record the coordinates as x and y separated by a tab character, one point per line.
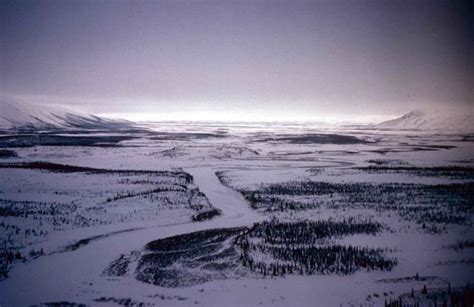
133	190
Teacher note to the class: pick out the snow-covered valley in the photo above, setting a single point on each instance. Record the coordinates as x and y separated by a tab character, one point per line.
231	214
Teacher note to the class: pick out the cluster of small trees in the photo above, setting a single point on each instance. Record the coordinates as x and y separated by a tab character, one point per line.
295	248
54	213
33	209
436	204
6	153
7	257
463	244
182	177
463	296
10	255
459	193
460	172
205	215
150	180
310	232
433	215
308	260
277	203
161	189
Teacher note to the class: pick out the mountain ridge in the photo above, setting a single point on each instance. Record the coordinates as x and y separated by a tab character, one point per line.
432	120
20	115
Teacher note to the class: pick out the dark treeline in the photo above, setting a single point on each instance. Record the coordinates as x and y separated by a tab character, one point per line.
458	193
296	248
33	209
334	259
169	188
460	245
193	240
206	215
6	153
442	297
65	168
278	203
8	256
44	139
462	172
315	138
423	203
309	232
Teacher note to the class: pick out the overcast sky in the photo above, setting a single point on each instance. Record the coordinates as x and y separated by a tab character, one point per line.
266	58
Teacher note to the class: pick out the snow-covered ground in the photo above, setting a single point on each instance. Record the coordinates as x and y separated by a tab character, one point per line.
418	186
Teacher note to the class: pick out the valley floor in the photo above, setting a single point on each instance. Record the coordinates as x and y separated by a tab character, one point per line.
235	216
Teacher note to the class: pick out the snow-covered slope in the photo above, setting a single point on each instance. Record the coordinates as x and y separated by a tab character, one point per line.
15	114
432	120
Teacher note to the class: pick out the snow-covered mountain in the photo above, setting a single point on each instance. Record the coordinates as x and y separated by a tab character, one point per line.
19	115
431	120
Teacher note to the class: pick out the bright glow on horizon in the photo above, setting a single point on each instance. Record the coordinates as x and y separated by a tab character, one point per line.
199	116
149	110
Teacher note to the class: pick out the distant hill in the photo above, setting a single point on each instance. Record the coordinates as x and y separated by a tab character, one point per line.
432	120
19	115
